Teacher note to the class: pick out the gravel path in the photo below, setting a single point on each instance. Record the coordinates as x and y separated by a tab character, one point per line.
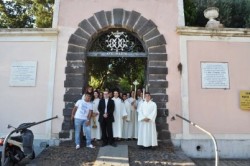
65	155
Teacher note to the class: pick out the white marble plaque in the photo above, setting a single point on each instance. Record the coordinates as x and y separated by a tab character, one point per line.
23	73
215	75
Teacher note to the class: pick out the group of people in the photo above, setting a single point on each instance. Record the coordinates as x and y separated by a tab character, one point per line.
111	116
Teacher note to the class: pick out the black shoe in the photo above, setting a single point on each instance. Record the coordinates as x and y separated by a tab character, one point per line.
104	144
141	147
113	144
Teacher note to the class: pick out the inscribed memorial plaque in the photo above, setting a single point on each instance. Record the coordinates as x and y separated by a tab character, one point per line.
245	100
215	75
23	73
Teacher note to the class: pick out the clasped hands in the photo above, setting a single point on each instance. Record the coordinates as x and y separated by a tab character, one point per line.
125	118
146	120
105	115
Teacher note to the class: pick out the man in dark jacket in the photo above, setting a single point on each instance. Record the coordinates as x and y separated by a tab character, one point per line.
106	118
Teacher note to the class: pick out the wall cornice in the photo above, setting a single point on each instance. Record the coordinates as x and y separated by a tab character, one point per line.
224	32
28	32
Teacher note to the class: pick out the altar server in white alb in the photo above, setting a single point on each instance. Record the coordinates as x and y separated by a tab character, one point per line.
118	115
147	135
127	130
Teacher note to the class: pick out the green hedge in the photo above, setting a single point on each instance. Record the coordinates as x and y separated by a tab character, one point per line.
233	13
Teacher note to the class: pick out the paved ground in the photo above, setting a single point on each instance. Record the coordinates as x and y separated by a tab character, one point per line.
65	155
164	154
222	162
113	156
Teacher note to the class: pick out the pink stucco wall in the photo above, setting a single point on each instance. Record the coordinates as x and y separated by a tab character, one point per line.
163	13
24	104
218	110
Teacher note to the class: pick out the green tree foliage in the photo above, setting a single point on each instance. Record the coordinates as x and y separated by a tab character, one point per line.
190	12
116	72
13	14
233	13
43	11
26	13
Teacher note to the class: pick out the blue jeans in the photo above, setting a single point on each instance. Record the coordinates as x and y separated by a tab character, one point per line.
86	130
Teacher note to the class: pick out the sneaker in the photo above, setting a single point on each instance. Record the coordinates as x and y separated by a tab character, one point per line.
77	147
90	146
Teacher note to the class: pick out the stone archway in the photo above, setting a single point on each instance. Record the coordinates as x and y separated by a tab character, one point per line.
79	43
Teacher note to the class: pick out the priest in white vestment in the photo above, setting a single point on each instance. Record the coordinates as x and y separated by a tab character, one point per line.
118	116
147	135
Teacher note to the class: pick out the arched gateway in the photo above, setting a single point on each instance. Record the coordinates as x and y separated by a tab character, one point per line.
155	51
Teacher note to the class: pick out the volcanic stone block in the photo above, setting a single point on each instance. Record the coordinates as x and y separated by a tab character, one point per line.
151	34
85	25
161	120
157	49
161	127
159	40
148	26
79	78
141	21
75	49
75	63
76	40
66	126
157	63
160	98
72	97
157	70
157	57
161	105
161	112
74	90
64	134
156	77
94	23
126	16
67	112
157	90
75	70
80	32
75	56
109	17
69	105
101	17
118	17
158	84
73	83
164	135
134	16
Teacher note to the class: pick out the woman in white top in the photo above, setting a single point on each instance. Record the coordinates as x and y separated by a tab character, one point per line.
95	126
